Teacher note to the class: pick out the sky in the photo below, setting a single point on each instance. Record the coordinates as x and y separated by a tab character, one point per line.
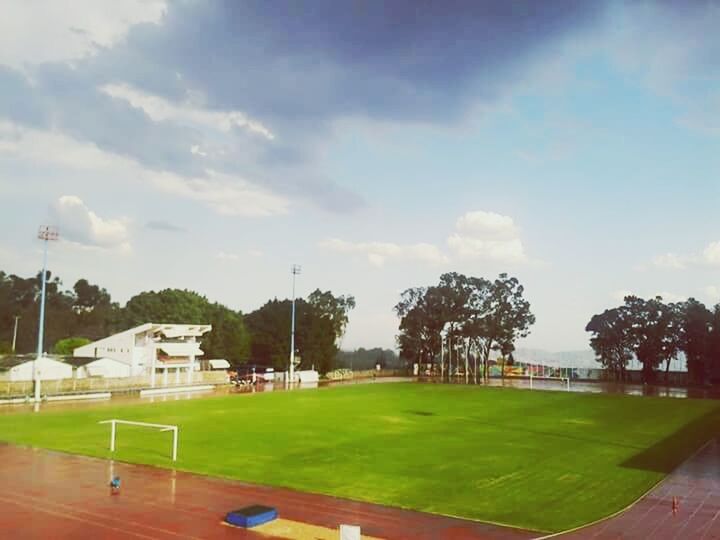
210	145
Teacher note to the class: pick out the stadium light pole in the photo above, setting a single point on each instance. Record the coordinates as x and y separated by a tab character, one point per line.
15	333
442	354
46	234
295	270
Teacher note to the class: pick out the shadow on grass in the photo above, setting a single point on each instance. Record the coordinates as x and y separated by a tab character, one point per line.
421	413
667	454
555	434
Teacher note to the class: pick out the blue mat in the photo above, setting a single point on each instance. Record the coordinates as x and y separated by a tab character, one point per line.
251	516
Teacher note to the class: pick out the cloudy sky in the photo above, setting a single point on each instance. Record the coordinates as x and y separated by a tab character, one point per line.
210	145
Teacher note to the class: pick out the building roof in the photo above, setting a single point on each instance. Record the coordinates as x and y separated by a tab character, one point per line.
10	361
79	361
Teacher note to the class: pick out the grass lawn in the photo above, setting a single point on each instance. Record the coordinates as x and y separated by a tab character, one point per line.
540	460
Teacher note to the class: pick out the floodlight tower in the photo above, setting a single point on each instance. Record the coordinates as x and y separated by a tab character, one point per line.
46	234
295	270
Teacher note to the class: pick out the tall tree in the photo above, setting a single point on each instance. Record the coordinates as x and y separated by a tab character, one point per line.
423	315
712	351
334	308
504	317
697	321
493	315
612	340
320	323
656	331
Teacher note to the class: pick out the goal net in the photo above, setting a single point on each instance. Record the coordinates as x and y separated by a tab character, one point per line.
114	423
550	378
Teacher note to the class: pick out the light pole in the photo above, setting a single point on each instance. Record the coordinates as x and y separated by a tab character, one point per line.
442	354
15	333
295	270
46	234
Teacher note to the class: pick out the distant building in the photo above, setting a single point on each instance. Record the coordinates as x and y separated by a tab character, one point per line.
20	368
214	364
152	349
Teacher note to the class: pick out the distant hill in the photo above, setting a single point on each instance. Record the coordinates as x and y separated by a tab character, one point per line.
580	359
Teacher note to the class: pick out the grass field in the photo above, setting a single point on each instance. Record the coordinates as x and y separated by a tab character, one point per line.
540	460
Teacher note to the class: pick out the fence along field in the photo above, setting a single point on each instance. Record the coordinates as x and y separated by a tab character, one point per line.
99	384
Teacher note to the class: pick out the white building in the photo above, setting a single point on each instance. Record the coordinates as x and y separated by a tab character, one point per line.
20	368
152	349
98	367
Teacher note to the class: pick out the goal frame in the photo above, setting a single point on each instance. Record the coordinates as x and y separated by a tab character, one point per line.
162	427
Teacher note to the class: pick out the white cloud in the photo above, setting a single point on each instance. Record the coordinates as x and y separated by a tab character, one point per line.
712	293
670	260
54	147
38	31
80	225
489	225
160	109
196	150
711	254
479	235
489	236
227	256
378	253
225	194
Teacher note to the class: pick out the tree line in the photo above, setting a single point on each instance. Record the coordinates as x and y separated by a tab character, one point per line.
476	316
655	333
87	312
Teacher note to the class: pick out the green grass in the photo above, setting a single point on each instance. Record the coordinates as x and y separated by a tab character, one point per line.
541	460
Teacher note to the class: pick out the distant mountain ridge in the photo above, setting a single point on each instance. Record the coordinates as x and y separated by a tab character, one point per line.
578	359
581	359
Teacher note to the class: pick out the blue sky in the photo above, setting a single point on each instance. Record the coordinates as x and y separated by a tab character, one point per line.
210	145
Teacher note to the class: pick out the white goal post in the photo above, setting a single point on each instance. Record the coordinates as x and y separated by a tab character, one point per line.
162	427
563	379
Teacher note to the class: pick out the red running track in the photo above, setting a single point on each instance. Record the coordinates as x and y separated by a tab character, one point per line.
52	495
695	484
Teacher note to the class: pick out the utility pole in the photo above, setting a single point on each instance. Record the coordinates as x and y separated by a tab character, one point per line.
15	333
295	270
46	234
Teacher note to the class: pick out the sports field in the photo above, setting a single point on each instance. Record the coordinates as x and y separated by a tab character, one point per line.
541	460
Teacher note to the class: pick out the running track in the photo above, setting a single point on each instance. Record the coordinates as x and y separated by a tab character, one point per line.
696	484
52	495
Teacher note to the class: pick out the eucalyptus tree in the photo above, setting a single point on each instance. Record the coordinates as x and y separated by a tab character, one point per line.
502	318
656	330
612	340
477	314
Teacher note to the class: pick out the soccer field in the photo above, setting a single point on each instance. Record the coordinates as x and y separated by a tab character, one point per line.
541	460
